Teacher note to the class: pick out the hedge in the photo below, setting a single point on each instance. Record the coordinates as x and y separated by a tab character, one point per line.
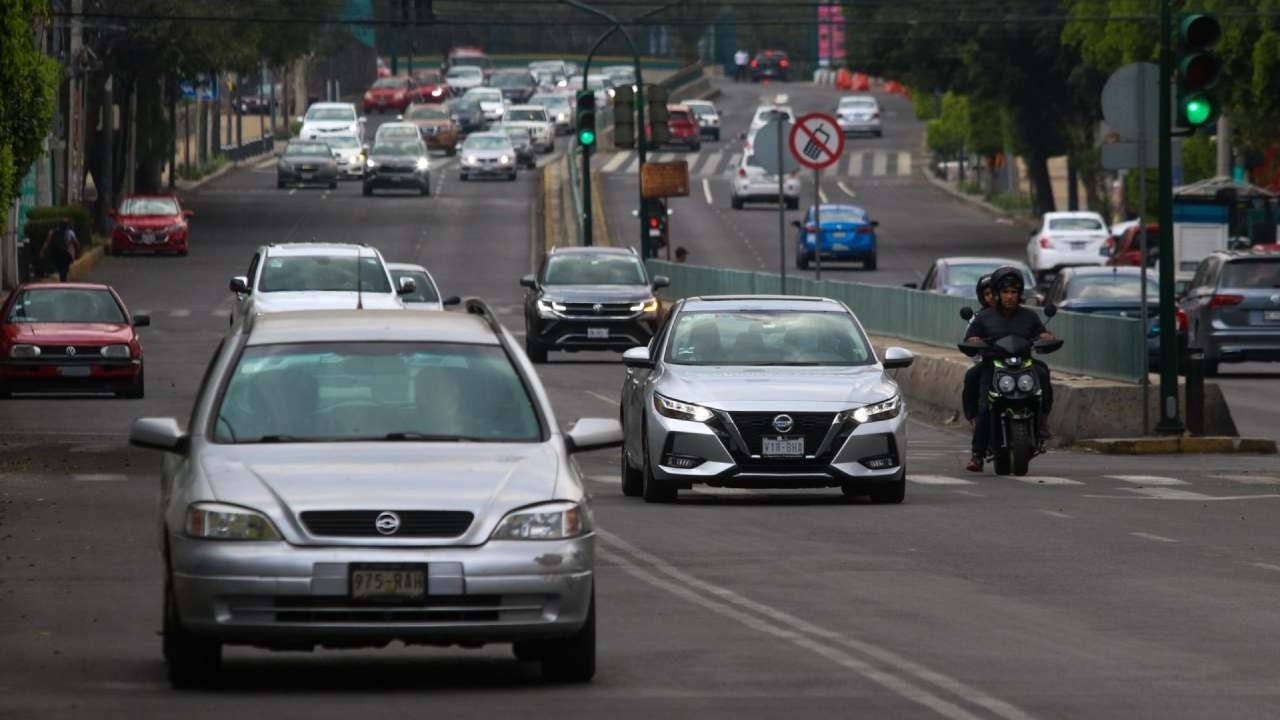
41	220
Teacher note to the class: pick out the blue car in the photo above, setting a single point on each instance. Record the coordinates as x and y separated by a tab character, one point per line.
848	235
1115	291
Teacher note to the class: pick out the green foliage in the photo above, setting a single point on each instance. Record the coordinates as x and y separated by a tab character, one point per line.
924	104
1199	158
195	172
1132	187
30	82
1012	202
43	219
947	134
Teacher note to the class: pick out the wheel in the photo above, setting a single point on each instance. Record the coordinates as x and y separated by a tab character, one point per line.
106	249
695	147
892	493
870	262
802	262
632	479
716	136
511	177
367	189
1021	446
737	203
1002	462
536	351
573	659
463	177
654	490
527	650
4	392
193	661
425	190
793	203
451	151
182	252
279	184
333	184
879	133
136	390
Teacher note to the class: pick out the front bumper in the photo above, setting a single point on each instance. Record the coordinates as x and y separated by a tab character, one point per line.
1244	344
752	190
376	180
575	333
297	176
487	169
122	242
1056	259
850	126
288	596
51	375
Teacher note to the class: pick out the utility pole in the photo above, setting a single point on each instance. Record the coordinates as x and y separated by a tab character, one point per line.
1170	422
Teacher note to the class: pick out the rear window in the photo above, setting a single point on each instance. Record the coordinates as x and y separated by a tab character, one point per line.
323	273
592	269
679	116
329	114
428	113
526	116
1252	274
388	83
1079	223
1110	287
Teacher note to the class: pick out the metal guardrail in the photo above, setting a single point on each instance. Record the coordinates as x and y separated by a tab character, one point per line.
684	76
573	158
250	149
1097	346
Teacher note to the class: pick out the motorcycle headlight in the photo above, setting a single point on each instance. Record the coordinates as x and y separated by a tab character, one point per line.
1026	382
422	164
24	351
117	352
883	410
550	521
648	306
1006	383
549	308
677	410
217	521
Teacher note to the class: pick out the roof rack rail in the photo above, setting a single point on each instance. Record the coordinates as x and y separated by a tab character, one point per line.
477	306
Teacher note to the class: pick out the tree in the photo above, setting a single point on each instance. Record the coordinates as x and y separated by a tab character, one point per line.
947	134
30	82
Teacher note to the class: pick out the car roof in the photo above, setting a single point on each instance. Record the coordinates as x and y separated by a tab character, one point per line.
1230	255
1072	214
593	250
305	326
763	302
342	105
64	286
488	133
1096	270
525	106
836	207
407	266
318	248
975	259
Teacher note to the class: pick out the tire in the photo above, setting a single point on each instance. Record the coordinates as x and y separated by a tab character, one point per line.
695	147
4	392
511	177
716	136
572	659
536	351
1211	367
333	184
450	151
193	661
802	262
280	184
183	252
367	190
892	493
527	650
463	177
632	479
736	203
793	203
1021	446
654	490
425	190
1002	462
870	262
137	390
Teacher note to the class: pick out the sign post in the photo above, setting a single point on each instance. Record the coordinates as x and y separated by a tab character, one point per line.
817	142
770	154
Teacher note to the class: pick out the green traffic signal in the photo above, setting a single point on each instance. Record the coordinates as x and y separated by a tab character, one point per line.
586	137
1197	110
1199	69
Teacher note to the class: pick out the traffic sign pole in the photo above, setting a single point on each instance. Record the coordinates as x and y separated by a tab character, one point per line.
782	215
817	142
817	224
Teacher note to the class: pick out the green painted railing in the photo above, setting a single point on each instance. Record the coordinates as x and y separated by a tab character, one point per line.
1097	346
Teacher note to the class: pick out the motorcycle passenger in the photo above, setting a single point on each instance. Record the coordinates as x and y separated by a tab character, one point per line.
969	398
1007	317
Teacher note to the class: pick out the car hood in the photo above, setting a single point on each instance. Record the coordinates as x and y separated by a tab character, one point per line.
149	221
284	480
328	125
306	159
427	123
487	154
729	387
395	160
70	333
268	302
596	293
530	124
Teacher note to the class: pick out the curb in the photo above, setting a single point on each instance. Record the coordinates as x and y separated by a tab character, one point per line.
189	185
944	186
85	264
1179	446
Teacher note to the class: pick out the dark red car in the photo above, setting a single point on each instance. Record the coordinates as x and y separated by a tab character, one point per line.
391	93
683	128
432	87
149	223
69	337
1127	250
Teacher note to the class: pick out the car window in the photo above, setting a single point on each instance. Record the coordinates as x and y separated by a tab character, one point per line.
485	94
341	141
323	273
593	269
373	391
470	62
1110	287
428	113
65	305
929	278
517	133
511	81
858	103
844	215
427	78
1075	223
1257	274
678	116
389	147
757	337
296	148
464	105
331	113
464	72
486	142
253	267
425	290
148	206
702	110
390	83
526	115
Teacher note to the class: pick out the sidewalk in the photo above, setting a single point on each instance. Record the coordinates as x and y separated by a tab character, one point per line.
253	127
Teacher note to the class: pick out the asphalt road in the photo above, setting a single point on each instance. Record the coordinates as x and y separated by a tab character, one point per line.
1102	587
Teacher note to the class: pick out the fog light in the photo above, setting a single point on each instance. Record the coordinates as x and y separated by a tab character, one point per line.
683	462
879	462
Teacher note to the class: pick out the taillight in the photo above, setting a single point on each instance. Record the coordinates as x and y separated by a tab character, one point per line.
653	223
755	63
1046	243
865	230
1225	301
1182	320
810	227
784	63
742	172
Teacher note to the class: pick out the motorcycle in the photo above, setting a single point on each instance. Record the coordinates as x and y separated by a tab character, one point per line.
1013	398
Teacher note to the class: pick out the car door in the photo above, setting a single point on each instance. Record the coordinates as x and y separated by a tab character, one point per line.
245	302
1197	300
635	390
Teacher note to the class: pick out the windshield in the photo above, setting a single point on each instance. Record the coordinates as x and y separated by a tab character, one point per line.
395	149
390	83
862	103
1110	287
428	113
511	81
678	116
1251	274
526	116
65	305
331	113
486	142
593	269
425	290
702	110
464	73
463	105
341	141
1079	223
428	78
517	133
306	148
148	206
551	101
323	273
470	61
351	392
596	82
485	95
759	337
842	215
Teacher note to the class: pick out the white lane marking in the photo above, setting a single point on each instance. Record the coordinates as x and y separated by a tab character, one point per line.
180	313
1046	480
733	163
99	477
1170	494
1250	479
706	191
813	637
1264	566
711	163
822	194
938	480
615	162
1059	515
293	191
1147	479
222	312
1153	538
970	493
852	165
904	163
879	164
845	188
605	398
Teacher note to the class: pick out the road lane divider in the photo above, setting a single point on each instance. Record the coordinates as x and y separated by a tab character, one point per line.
706	191
845	189
603	398
1153	538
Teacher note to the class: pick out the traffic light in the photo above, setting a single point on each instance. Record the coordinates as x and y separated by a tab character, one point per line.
624	117
586	119
1198	70
655	226
656	97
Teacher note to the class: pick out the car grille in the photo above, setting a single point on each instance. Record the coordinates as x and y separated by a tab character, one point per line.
754	426
395	170
413	523
588	310
89	352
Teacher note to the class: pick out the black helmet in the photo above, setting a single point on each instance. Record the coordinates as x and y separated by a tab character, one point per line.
984	283
1007	276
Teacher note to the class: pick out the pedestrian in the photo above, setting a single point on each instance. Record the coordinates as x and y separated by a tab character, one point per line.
740	65
681	254
61	247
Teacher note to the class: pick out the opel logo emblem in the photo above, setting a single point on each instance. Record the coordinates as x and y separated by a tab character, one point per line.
783	423
1276	298
387	523
71	350
597	307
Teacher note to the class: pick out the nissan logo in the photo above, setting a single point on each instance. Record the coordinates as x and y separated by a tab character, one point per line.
783	423
387	523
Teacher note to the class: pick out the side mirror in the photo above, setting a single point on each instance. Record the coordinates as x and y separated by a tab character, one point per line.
913	286
299	119
158	433
593	434
796	224
363	120
451	300
142	320
408	286
1050	310
966	313
896	357
874	223
530	281
240	285
661	281
637	357
188	213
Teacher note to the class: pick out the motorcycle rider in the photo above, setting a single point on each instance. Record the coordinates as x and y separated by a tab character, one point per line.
969	398
1007	317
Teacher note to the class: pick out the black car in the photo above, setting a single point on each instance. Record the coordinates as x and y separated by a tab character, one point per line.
398	163
307	162
526	157
517	86
589	298
467	114
771	65
1115	291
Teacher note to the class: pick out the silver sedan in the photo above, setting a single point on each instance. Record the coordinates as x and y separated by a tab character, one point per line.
353	477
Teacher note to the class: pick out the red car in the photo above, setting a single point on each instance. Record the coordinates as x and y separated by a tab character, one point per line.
69	337
432	87
682	127
1127	251
151	223
391	93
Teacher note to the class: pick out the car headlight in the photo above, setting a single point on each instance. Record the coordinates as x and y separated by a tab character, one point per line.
549	308
371	163
216	521
24	351
115	351
504	159
174	229
649	306
550	521
883	410
500	111
1026	382
422	163
284	165
360	158
129	229
677	410
1006	383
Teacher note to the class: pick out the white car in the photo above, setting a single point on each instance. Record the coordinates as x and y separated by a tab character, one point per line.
533	118
1066	239
707	117
550	70
326	120
859	114
405	131
314	276
765	113
620	75
425	294
349	154
462	78
492	105
559	107
752	184
603	86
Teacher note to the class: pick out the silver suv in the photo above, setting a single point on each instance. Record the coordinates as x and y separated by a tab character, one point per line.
763	392
349	478
316	276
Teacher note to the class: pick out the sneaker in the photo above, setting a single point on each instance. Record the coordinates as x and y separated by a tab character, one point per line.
975	463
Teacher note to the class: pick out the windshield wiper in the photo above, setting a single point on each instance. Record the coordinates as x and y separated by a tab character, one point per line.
424	437
278	439
787	364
